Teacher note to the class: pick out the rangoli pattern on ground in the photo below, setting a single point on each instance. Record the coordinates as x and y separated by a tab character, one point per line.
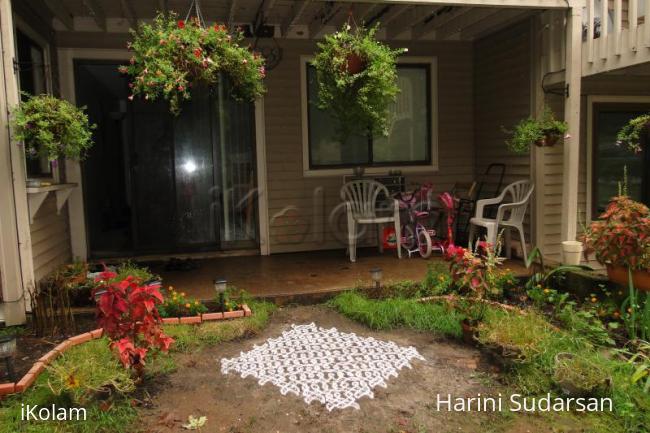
325	365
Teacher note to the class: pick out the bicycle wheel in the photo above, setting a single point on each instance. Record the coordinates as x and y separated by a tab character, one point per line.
424	243
408	238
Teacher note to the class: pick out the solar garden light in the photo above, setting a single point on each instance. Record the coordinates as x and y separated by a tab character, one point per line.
7	352
376	274
220	285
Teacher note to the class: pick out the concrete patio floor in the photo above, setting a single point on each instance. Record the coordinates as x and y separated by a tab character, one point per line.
295	274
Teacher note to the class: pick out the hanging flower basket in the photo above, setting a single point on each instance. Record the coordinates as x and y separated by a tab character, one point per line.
171	55
543	132
357	78
635	135
52	128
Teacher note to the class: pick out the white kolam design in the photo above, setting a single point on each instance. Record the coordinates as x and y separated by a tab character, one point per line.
325	365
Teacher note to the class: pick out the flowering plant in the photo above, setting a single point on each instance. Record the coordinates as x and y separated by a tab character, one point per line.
126	309
634	134
475	271
621	237
170	55
357	78
178	304
53	128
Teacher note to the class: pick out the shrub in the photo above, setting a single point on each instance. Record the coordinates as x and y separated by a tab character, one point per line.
621	237
127	312
52	128
171	56
177	304
475	272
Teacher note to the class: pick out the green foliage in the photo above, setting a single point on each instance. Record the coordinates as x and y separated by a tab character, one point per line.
586	375
437	280
634	133
621	236
52	128
170	56
82	377
639	358
87	370
529	131
190	337
178	304
359	102
396	312
130	269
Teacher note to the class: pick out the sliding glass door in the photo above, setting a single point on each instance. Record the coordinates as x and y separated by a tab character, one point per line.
609	159
155	183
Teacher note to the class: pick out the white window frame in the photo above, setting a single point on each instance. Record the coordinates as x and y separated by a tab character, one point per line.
22	26
331	172
591	100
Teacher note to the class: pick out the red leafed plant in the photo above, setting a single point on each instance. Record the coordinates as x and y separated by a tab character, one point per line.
475	271
126	309
621	237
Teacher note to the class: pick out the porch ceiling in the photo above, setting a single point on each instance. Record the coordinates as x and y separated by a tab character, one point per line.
303	18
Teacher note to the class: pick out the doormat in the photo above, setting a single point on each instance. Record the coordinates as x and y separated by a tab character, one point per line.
325	365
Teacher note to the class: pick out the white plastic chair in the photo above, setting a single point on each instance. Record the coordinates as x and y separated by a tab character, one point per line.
361	200
509	215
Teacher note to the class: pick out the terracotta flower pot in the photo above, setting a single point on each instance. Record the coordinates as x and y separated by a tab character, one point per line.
354	63
619	275
549	139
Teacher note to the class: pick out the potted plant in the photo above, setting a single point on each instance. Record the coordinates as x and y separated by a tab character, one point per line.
634	135
541	132
171	56
580	377
620	240
357	78
53	128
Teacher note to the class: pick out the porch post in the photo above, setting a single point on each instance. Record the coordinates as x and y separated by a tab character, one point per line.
573	77
13	196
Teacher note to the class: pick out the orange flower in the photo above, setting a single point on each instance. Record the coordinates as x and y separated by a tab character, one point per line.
187	305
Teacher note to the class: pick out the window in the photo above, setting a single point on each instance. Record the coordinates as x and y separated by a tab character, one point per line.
33	80
410	138
609	159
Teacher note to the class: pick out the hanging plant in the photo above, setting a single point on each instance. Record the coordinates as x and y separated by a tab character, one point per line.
357	78
53	128
541	132
634	135
170	56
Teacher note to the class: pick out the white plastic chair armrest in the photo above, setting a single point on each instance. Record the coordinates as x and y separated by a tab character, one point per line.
480	204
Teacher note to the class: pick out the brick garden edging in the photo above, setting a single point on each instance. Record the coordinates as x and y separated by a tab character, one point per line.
39	366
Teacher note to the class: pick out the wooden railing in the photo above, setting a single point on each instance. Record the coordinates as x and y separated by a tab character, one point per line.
616	35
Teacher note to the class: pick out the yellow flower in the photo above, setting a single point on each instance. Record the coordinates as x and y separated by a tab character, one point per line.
72	381
547	290
182	293
594	300
171	288
187	305
196	302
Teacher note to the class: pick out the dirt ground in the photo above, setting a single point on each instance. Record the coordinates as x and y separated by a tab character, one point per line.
235	405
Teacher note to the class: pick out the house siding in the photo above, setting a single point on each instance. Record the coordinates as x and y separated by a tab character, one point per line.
50	230
50	235
503	97
299	206
611	85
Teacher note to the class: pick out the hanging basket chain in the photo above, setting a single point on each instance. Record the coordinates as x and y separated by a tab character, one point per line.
196	6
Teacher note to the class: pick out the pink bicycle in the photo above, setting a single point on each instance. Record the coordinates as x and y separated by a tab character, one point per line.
416	236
